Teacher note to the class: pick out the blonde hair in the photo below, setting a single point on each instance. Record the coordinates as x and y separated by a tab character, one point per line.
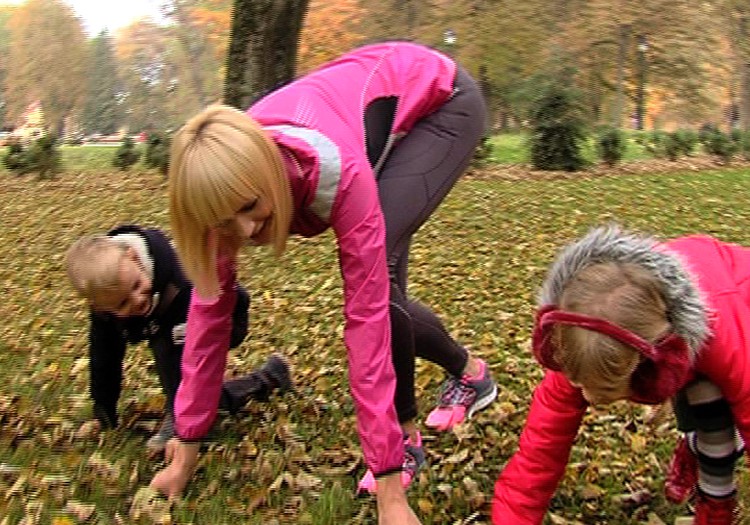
220	160
624	294
93	265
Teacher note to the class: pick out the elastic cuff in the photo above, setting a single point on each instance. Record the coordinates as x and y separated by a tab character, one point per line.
386	472
185	440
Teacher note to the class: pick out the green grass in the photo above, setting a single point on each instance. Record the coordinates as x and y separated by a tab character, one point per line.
477	262
86	158
512	148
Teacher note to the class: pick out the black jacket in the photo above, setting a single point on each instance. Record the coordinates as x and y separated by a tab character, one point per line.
109	334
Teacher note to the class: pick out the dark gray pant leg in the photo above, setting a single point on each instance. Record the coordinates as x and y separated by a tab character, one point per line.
417	175
168	360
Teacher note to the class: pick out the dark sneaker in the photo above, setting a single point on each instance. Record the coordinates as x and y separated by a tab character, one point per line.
715	511
276	369
257	385
158	442
682	474
461	398
414	460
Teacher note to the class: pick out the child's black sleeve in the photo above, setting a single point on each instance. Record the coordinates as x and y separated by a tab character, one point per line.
106	354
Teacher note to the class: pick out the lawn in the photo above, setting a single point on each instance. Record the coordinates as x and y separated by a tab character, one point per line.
296	459
507	148
512	148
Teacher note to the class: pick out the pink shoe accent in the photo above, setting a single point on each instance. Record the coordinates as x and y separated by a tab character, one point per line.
367	483
406	478
445	418
413	461
480	374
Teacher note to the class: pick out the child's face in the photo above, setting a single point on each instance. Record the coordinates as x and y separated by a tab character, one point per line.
132	296
250	223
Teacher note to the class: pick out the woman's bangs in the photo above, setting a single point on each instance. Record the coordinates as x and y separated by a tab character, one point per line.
204	192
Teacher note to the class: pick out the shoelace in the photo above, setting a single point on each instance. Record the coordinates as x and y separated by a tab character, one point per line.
456	392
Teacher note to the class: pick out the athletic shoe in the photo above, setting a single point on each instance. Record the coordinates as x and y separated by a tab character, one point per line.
461	397
257	385
158	442
276	368
414	460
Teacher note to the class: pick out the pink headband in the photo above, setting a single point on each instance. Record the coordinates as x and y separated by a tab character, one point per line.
665	367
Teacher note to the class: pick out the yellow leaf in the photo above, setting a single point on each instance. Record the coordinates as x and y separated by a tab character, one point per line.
425	505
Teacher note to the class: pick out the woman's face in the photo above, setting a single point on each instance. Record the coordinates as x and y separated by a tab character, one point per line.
132	296
251	223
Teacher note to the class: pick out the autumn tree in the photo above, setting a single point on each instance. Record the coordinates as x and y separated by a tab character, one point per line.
736	21
47	61
399	19
101	112
263	47
667	47
200	34
5	13
142	51
502	43
331	28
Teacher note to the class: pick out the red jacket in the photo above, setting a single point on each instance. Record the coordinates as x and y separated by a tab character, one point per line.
722	273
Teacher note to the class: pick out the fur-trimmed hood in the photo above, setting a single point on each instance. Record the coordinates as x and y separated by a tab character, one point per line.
686	308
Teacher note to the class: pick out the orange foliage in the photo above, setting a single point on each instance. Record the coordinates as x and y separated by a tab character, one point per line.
215	22
330	29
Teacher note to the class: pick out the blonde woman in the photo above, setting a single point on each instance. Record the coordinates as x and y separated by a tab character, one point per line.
623	316
136	291
368	145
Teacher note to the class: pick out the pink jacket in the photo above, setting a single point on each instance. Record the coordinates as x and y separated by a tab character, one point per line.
722	272
317	121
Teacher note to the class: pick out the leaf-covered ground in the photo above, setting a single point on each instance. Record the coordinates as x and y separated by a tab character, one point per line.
477	262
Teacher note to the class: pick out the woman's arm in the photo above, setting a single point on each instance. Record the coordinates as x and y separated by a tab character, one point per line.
204	356
360	230
209	326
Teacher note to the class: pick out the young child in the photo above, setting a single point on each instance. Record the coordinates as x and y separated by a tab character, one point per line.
368	145
624	317
137	292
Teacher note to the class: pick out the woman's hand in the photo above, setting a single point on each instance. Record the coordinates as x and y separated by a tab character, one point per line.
393	509
181	461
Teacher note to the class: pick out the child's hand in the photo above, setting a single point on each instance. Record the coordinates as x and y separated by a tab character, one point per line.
181	460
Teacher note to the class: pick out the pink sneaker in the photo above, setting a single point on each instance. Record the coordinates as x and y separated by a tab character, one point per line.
461	398
414	460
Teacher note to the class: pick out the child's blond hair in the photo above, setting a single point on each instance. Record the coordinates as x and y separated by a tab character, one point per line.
93	265
220	160
624	294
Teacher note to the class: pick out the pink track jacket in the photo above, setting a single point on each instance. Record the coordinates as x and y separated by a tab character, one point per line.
318	123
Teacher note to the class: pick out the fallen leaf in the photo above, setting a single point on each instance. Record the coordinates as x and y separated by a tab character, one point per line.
82	511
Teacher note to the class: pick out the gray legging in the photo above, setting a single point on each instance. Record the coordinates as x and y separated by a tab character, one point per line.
416	176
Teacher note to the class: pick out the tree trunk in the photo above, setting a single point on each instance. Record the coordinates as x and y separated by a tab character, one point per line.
262	48
744	76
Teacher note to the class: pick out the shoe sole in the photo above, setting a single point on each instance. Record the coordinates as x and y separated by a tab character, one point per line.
482	402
